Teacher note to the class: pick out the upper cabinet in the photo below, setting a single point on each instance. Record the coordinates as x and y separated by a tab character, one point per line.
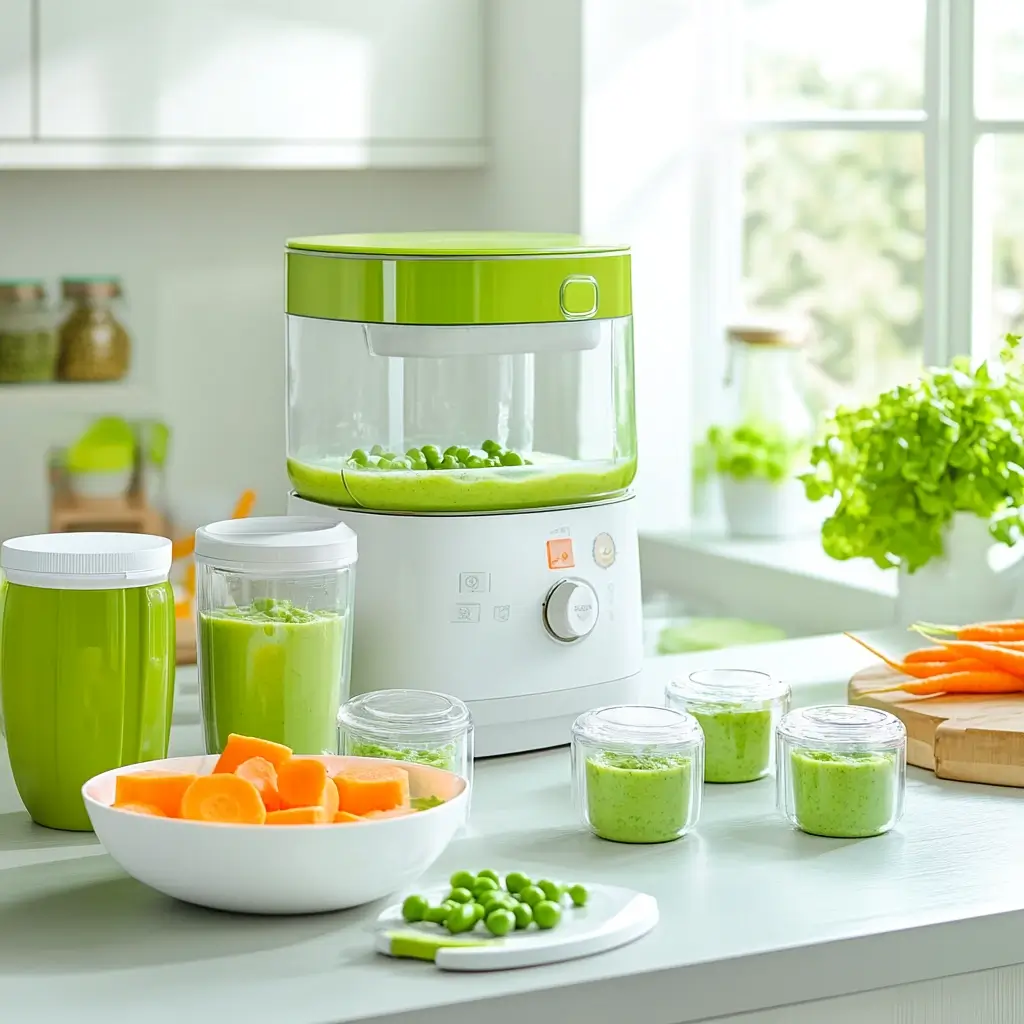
257	83
15	69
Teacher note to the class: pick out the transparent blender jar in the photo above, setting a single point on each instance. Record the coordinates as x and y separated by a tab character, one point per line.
274	619
459	372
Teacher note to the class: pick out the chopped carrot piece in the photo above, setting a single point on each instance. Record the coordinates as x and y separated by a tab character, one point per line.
343	817
263	775
397	812
372	787
224	798
299	816
154	788
241	748
136	808
303	782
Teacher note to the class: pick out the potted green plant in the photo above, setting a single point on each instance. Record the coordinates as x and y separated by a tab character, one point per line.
926	477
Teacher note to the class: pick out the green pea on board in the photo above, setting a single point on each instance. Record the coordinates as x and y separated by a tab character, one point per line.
460	895
552	890
547	914
500	922
462	880
493	875
461	918
578	894
516	882
481	885
523	915
415	908
531	896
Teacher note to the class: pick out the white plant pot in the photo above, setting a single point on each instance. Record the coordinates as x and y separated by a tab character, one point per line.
974	580
766	510
100	485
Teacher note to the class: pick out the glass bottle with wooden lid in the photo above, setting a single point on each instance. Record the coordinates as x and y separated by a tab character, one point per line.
94	345
28	333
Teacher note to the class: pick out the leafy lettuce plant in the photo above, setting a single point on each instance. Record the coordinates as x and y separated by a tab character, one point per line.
755	451
900	467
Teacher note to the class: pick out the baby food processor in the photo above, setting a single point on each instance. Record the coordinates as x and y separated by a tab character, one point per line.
464	402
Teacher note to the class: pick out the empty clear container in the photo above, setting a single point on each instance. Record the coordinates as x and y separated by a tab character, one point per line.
409	725
738	711
637	772
841	770
274	614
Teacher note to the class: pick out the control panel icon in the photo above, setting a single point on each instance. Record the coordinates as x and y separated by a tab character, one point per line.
466	613
474	582
501	612
560	553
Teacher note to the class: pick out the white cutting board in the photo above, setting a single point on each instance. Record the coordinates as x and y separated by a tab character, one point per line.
612	917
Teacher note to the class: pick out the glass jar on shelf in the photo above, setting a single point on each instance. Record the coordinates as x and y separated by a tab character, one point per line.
94	345
28	333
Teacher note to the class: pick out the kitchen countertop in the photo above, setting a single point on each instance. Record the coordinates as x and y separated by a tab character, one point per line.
753	914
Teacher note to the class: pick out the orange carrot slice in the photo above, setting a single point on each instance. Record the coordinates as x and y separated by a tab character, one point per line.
303	782
241	748
263	775
224	798
372	787
343	817
154	788
137	808
299	816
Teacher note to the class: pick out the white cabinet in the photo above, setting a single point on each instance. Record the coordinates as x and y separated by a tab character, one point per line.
266	83
15	69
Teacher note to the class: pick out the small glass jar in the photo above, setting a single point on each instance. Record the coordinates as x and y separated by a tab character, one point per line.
738	711
409	725
841	770
637	772
93	343
274	621
28	333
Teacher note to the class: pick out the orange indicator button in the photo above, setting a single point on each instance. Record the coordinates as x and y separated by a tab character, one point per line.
560	553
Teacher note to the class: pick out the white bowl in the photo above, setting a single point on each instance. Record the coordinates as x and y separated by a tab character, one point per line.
284	869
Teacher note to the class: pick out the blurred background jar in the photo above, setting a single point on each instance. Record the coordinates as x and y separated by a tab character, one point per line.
93	343
28	333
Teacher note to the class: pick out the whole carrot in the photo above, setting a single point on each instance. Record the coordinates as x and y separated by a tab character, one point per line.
1011	629
977	682
996	656
924	669
931	654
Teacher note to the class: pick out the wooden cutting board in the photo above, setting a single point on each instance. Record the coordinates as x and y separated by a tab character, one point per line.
972	739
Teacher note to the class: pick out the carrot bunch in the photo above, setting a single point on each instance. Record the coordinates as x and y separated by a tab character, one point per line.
980	658
258	782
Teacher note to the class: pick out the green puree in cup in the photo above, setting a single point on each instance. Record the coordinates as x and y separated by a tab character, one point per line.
638	798
737	742
273	670
843	795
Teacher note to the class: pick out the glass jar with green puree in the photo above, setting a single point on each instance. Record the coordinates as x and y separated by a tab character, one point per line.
738	711
274	609
637	772
409	725
842	770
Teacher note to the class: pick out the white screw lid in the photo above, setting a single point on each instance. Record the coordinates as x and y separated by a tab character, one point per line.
86	561
277	544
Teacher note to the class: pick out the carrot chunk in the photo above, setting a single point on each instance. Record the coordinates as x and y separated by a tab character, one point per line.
154	788
344	818
263	775
137	808
241	748
372	787
303	782
299	816
224	798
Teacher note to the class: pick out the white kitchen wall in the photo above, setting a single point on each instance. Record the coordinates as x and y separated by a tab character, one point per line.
200	255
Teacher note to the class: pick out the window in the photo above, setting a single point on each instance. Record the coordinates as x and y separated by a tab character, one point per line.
866	173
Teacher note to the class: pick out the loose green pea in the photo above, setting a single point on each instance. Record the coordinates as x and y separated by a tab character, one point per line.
431	455
511	459
488	873
460	895
376	450
500	922
384	463
531	895
358	455
578	894
414	454
480	911
449	462
481	885
462	454
462	880
516	882
438	915
415	908
461	919
491	447
452	449
552	890
547	914
475	462
524	915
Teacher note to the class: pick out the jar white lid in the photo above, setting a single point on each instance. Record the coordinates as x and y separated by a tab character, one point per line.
742	688
637	728
412	716
843	727
276	544
86	561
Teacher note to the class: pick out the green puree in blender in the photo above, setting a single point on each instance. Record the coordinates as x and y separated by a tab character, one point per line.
737	742
843	795
273	670
636	798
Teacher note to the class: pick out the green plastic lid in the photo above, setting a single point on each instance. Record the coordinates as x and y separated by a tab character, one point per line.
456	278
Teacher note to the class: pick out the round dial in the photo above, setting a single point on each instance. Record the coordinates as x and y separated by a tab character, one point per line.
570	611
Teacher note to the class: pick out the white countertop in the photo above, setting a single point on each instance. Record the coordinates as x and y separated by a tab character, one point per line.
753	914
